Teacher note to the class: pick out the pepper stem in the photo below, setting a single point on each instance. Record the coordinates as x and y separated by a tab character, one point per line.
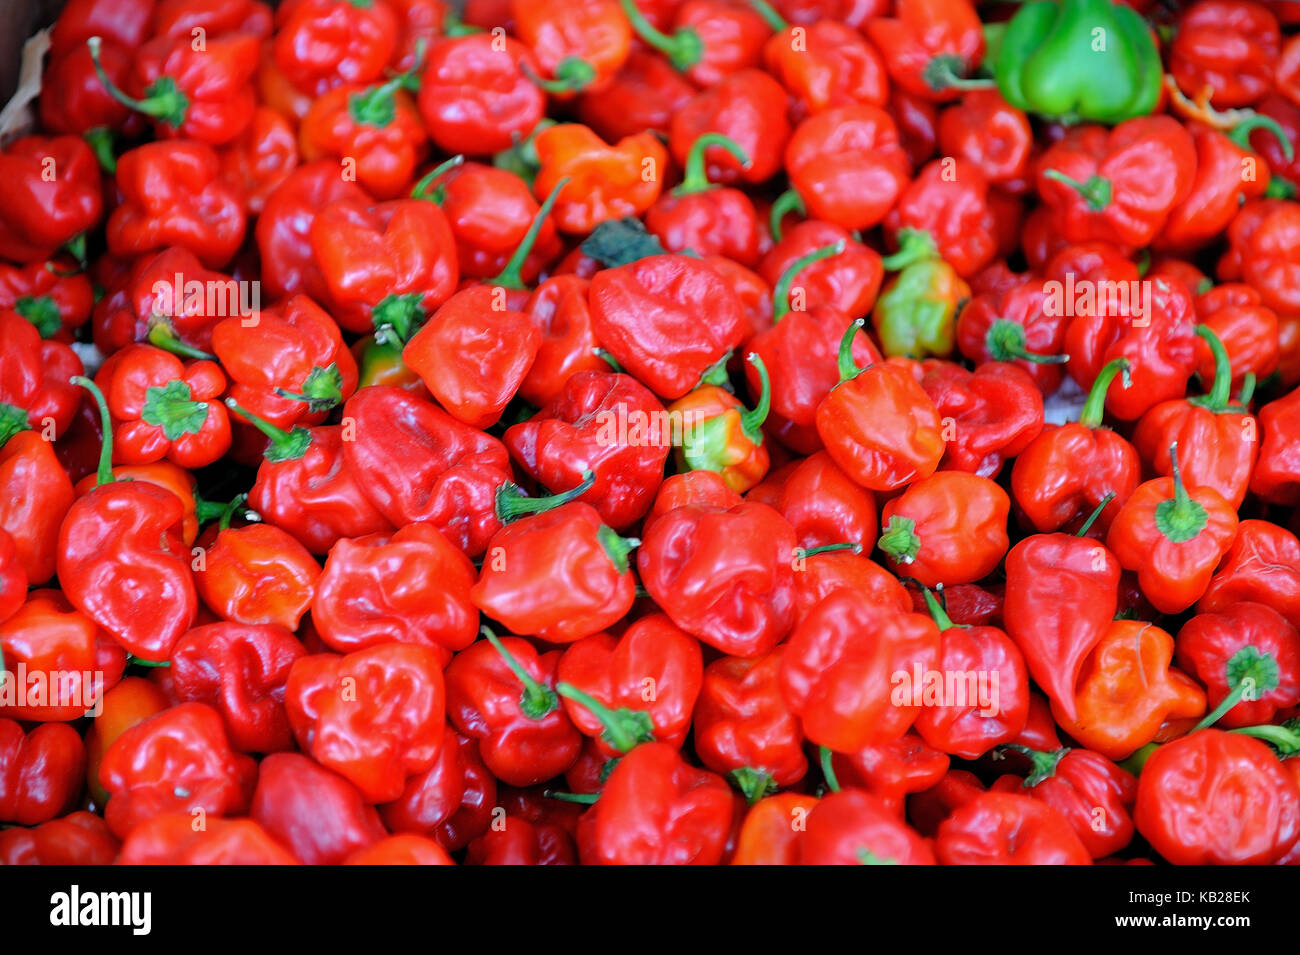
787	202
538	699
511	276
285	445
12	420
624	728
421	189
1043	763
828	769
1096	192
572	75
162	335
1096	513
1286	740
1240	133
1219	396
770	16
1248	670
684	48
511	504
1094	408
937	610
849	370
751	422
696	178
914	245
947	72
1005	341
228	512
1180	518
804	552
781	294
753	784
104	473
899	539
165	101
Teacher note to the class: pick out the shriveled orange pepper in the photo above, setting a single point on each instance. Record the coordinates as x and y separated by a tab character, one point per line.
770	833
606	182
720	434
1128	690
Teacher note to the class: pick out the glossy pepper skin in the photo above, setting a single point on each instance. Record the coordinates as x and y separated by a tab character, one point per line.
1228	47
1245	640
1217	798
949	204
768	834
749	108
391	728
996	413
47	636
53	295
451	801
1062	594
948	528
412	586
837	671
647	314
825	507
916	314
997	828
41	772
170	839
1217	192
855	828
653	667
133	700
317	814
524	736
990	134
1048	63
79	838
173	194
708	219
1127	689
53	185
176	761
656	809
832	66
723	574
605	182
579	430
581	45
742	723
1277	471
34	375
890	771
1011	324
240	670
257	574
321	43
930	46
1262	566
1095	795
560	310
1174	538
878	424
36	492
475	100
417	463
260	158
162	408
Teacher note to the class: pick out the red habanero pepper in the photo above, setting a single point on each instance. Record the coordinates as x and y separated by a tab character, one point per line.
377	127
318	815
991	704
997	828
53	197
948	528
1227	47
580	43
501	692
171	839
204	93
878	424
835	568
386	266
451	801
701	488
48	636
146	301
644	95
1174	537
321	43
707	219
656	809
1062	594
927	810
1248	329
54	295
931	47
176	480
13	578
889	771
724	575
284	228
666	319
580	431
305	486
518	841
848	280
948	202
1219	438
1092	793
260	158
1118	185
1248	657
162	408
856	828
1262	566
122	560
653	668
34	376
847	166
743	728
837	673
240	670
256	574
173	194
1277	472
175	18
825	65
79	838
176	761
404	849
1217	798
826	507
390	730
411	587
555	570
996	412
1014	324
918	124
1065	473
72	98
287	363
560	310
476	96
133	699
769	834
41	772
990	134
749	108
417	463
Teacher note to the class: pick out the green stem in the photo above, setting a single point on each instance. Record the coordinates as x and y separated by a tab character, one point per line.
753	784
104	473
696	177
1094	408
162	335
946	72
511	504
285	445
1287	741
1096	192
1240	134
899	539
848	370
770	16
751	422
1219	396
572	75
1096	513
781	294
1180	518
938	612
511	276
684	48
1005	341
804	552
624	728
228	512
787	202
828	769
12	420
1247	669
100	141
914	245
165	101
1043	764
538	699
421	189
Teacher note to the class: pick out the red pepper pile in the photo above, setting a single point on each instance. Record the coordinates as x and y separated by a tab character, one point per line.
648	431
